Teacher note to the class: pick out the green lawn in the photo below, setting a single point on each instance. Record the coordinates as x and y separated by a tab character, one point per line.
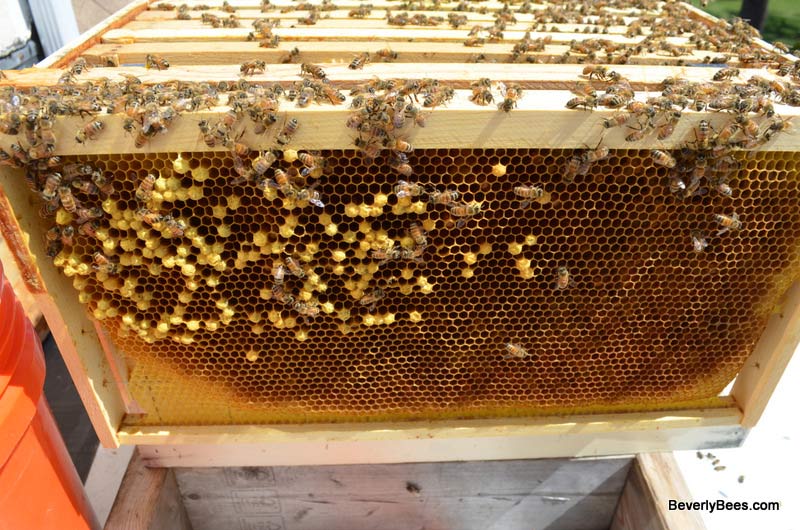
782	23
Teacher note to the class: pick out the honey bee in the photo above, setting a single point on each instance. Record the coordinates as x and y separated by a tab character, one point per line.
587	102
306	309
289	129
171	227
155	61
103	264
313	70
418	235
251	67
86	186
84	215
89	131
68	200
662	158
89	229
109	60
473	42
280	294
263	162
404	168
599	72
563	278
443	197
311	161
408	189
515	351
464	211
676	185
731	222
145	215
144	192
359	61
699	241
311	195
511	94
278	272
372	298
67	237
481	96
573	167
725	74
529	193
616	120
386	54
403	146
51	185
294	268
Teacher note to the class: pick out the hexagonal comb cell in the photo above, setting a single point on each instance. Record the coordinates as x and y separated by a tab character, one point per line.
384	302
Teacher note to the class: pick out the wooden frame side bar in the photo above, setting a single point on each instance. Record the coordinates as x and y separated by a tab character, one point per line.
69	323
762	371
369	443
654	479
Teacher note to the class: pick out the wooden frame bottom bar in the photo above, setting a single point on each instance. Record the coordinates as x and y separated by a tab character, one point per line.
372	443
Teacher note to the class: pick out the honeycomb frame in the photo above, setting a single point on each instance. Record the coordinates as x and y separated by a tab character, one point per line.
529	258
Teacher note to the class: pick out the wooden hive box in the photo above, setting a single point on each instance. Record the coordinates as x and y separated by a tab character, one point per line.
415	273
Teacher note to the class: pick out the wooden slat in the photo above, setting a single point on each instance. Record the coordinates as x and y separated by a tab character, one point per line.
654	480
763	369
70	325
545	77
376	14
12	273
535	124
556	494
232	52
445	441
148	499
125	35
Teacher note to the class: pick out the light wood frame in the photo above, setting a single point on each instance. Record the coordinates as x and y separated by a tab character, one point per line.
100	376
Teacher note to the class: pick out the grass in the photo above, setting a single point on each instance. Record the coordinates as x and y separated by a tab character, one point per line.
782	22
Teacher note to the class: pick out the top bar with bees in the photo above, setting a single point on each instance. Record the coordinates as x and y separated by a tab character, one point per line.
255	213
573	72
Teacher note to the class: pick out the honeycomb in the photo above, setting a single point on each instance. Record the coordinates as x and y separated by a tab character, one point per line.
644	323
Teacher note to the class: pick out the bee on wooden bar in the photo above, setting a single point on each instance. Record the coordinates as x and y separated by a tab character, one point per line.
291	56
599	72
587	102
144	191
313	70
78	66
529	193
474	42
89	131
481	92
724	74
727	223
359	61
515	351
511	94
563	278
155	61
662	158
289	129
103	264
252	67
386	54
403	146
699	241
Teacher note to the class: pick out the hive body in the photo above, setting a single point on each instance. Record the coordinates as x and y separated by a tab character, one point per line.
301	244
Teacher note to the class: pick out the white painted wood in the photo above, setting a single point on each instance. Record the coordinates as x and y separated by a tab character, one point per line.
370	443
16	31
55	23
105	477
512	495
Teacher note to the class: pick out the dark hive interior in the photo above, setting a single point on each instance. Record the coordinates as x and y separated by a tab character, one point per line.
645	322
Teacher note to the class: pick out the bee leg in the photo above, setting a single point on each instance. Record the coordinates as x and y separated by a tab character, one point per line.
524	204
722	231
461	223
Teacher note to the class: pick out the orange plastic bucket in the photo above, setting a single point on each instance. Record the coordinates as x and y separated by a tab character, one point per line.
39	487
